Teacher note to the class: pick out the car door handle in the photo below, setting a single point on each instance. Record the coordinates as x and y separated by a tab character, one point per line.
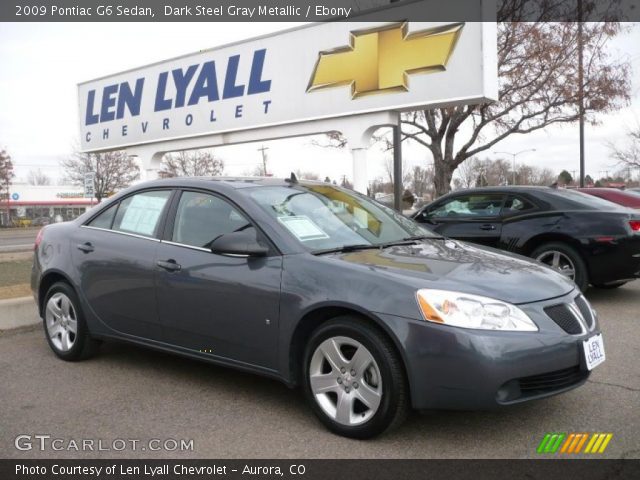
86	247
169	265
487	226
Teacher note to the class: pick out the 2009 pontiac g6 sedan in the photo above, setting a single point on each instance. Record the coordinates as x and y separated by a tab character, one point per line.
316	286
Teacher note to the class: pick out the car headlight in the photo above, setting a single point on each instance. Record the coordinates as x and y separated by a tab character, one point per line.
472	311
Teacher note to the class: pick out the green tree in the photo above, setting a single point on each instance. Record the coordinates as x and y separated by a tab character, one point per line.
565	178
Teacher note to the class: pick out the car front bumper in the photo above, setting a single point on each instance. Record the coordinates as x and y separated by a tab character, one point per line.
457	368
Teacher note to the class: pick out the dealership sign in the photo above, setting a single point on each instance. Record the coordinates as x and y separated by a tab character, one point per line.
315	72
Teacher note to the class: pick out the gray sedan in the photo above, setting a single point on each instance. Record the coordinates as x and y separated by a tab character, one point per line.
318	287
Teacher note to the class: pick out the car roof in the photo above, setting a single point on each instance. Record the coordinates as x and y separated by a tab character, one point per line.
229	182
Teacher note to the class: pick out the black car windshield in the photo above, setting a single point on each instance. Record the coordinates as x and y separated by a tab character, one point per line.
323	217
583	200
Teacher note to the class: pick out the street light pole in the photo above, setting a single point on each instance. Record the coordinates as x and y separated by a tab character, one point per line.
581	91
513	156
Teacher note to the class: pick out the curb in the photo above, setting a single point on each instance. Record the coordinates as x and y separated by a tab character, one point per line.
18	312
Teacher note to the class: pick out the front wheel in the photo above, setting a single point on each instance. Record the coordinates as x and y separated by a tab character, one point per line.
566	260
354	379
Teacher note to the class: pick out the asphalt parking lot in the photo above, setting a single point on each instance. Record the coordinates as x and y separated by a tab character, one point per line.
131	393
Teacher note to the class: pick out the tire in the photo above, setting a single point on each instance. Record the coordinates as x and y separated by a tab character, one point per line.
60	316
373	400
610	286
549	252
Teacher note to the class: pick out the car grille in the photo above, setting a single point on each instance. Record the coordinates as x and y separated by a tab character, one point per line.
574	318
548	382
586	311
565	318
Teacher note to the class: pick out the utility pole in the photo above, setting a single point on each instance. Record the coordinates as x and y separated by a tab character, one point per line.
581	90
263	150
397	168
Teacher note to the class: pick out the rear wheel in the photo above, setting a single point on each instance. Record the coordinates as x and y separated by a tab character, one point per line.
64	324
566	260
354	380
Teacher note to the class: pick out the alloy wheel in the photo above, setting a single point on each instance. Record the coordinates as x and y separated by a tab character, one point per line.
345	380
62	322
558	261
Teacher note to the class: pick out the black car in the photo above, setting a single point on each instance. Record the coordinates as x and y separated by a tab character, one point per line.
590	240
316	286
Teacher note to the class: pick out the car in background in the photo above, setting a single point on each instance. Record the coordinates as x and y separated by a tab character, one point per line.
316	286
590	240
626	198
40	221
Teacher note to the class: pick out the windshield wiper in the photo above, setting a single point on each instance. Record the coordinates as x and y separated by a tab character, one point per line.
423	237
347	248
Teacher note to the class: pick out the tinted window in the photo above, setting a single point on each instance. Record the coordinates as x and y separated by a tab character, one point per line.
105	218
472	205
514	205
581	200
201	218
140	214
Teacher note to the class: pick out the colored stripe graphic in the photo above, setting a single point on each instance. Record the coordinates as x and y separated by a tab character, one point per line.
572	443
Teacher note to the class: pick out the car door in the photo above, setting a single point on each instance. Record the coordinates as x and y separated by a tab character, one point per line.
471	217
114	254
219	305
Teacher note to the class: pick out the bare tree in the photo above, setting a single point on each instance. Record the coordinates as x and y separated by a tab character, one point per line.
112	171
38	177
627	155
421	180
194	163
6	175
537	67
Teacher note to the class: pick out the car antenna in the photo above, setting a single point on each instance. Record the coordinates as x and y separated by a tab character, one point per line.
292	178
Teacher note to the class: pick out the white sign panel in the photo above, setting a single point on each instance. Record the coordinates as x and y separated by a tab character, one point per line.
319	71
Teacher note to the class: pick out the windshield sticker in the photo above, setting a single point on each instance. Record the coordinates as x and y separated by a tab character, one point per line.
303	228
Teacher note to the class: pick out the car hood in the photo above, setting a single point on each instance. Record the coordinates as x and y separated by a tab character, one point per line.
453	265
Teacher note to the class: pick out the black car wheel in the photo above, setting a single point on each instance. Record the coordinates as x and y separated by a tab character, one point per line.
64	324
354	379
566	260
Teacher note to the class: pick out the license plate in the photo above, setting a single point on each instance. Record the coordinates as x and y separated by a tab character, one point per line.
593	351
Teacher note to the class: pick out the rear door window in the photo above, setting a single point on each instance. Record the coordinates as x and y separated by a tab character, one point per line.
140	214
515	205
104	219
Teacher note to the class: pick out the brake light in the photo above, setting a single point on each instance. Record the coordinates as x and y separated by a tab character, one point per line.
635	225
38	239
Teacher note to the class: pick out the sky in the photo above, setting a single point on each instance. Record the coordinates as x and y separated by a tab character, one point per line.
41	65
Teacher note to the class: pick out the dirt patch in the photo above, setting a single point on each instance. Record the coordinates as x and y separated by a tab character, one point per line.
16	272
15	291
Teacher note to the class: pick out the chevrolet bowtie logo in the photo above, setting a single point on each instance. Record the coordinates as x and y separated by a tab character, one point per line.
380	60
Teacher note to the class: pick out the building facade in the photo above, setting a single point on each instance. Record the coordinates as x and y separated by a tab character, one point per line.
27	205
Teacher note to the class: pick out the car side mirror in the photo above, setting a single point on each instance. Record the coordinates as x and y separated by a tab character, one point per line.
239	243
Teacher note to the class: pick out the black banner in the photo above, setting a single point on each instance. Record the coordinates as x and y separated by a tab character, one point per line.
320	469
316	10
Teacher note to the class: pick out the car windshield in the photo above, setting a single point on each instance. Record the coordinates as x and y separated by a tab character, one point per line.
323	217
584	200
